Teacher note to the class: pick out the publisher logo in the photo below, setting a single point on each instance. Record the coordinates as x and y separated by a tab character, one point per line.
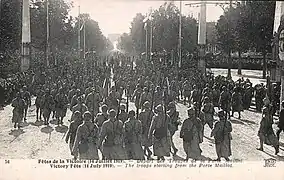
269	162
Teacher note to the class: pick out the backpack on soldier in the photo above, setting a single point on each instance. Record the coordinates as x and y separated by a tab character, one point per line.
161	132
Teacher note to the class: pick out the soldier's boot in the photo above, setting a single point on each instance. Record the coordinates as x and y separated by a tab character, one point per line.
58	121
227	159
278	133
239	115
19	126
261	146
276	149
15	125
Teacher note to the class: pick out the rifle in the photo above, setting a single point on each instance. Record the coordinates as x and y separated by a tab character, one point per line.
127	100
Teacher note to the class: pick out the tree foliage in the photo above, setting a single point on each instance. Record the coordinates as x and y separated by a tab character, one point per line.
165	23
251	27
63	30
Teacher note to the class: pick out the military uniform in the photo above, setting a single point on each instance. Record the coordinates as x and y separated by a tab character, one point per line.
111	138
133	137
191	133
222	135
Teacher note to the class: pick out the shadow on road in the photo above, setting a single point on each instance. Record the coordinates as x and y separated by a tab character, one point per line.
37	123
61	129
211	140
177	157
204	158
47	129
53	121
277	157
16	133
25	124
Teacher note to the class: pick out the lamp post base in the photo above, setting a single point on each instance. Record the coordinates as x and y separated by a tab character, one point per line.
25	60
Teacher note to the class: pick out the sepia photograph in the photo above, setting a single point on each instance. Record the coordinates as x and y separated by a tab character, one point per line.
141	81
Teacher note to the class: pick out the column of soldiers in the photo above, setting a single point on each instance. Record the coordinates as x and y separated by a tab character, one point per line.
102	120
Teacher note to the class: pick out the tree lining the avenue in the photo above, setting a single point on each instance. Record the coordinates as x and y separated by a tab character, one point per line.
63	32
251	26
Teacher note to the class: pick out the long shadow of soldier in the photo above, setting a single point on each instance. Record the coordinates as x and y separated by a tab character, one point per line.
37	123
25	124
61	129
47	129
177	157
277	157
16	133
53	121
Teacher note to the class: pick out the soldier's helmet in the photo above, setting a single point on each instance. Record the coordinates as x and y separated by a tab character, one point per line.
122	107
221	113
131	113
206	99
191	111
112	113
146	105
77	113
159	108
87	116
24	87
172	105
18	94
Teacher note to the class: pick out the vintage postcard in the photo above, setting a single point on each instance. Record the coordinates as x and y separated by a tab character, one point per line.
133	89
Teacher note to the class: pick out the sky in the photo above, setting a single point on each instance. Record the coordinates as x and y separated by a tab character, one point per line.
115	16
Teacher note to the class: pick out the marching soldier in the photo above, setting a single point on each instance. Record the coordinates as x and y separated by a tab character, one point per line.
80	106
71	134
123	116
86	139
281	121
216	95
48	106
133	137
236	103
266	134
74	99
27	97
186	91
61	103
159	131
173	125
146	117
92	102
18	112
191	133
39	104
111	138
222	135
208	112
224	101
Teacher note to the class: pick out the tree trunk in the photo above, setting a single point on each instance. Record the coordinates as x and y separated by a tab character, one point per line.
229	65
240	64
264	65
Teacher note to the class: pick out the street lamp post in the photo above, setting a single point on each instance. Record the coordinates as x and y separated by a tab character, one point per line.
47	34
222	6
